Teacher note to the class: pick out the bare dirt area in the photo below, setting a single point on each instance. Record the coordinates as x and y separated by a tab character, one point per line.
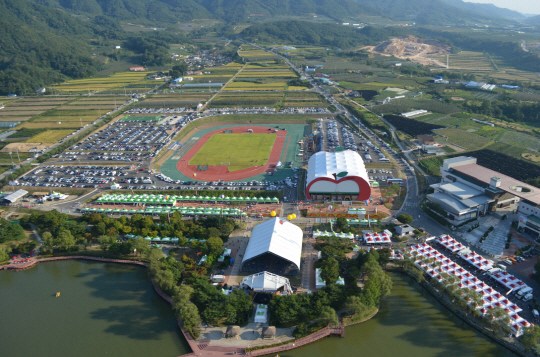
26	147
413	48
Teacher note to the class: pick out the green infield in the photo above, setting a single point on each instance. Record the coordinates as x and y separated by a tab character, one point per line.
235	150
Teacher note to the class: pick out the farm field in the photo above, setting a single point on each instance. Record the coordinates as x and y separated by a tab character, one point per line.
411	126
98	84
255	86
468	60
246	100
50	136
235	150
463	138
6	159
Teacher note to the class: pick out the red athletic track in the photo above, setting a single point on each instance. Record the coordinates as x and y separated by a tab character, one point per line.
219	172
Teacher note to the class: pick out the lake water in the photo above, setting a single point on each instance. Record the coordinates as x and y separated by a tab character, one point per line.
112	310
103	310
410	323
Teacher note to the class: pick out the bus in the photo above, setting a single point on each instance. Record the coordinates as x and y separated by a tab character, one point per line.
396	180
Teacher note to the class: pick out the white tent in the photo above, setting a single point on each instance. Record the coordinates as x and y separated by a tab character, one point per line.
278	237
320	283
266	282
261	314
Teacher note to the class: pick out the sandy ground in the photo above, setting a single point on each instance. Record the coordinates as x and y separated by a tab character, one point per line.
413	48
25	147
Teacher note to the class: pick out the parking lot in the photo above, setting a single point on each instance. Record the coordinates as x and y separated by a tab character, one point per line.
72	176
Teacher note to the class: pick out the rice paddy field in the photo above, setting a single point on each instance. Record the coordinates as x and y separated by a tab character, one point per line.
305	99
255	86
176	100
100	84
231	100
50	136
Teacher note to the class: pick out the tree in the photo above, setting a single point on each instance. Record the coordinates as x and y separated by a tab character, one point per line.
48	239
105	241
178	70
214	245
342	225
530	338
405	218
355	305
4	254
329	270
65	239
329	315
189	314
141	246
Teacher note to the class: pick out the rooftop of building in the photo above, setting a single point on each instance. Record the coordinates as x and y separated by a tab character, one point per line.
507	183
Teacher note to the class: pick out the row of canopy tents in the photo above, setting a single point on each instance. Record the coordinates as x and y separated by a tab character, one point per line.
161	239
172	199
478	261
319	233
377	238
439	267
450	243
363	222
359	210
154	239
509	281
207	211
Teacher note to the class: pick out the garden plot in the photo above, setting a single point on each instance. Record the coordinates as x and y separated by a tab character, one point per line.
522	140
462	138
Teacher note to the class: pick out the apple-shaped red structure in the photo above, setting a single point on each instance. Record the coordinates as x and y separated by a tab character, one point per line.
337	176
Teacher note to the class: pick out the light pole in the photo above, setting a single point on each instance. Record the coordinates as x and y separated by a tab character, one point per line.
12	164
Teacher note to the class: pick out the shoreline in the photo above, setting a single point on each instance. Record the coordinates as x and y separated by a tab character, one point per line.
200	347
465	317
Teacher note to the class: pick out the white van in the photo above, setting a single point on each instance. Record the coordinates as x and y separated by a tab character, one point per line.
524	291
527	297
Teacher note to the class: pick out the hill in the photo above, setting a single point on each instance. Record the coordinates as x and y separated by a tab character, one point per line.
330	35
488	10
534	20
430	12
171	11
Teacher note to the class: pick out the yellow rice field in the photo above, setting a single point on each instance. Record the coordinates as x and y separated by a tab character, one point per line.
50	136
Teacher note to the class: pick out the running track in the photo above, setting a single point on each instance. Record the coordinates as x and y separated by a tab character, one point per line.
218	172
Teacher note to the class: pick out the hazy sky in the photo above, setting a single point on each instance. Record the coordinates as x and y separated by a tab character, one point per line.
524	6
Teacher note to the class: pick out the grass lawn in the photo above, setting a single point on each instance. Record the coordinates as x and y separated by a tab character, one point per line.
235	149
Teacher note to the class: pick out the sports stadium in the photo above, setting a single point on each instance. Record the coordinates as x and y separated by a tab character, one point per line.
237	152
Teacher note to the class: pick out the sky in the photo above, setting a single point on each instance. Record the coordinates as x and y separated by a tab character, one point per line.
523	6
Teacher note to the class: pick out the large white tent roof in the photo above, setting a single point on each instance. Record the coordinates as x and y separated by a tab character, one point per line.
325	164
281	238
266	281
15	195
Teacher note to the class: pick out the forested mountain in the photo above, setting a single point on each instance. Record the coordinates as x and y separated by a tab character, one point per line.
303	32
489	10
428	12
172	11
535	20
